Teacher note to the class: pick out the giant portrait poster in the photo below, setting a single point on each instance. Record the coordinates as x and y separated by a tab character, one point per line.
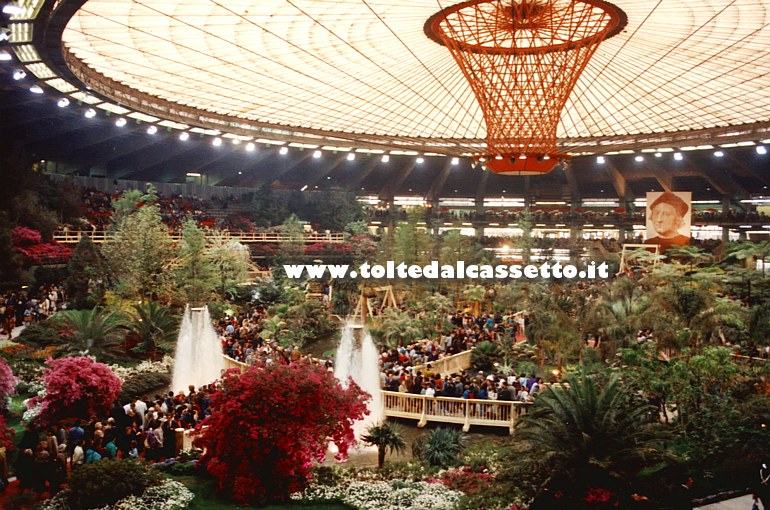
669	216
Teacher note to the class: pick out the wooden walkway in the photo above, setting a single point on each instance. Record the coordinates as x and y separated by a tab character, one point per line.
100	236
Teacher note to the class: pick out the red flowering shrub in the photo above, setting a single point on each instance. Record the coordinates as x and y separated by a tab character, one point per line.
6	435
269	424
7	381
465	479
23	236
46	253
76	387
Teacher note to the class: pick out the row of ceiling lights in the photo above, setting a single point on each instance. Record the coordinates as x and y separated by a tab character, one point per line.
20	74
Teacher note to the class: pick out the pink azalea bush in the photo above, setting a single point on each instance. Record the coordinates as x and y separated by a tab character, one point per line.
75	387
8	381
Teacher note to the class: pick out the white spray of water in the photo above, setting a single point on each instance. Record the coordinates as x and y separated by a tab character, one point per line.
198	359
361	362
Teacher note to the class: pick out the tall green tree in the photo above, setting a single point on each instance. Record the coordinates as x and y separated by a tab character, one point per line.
230	261
141	252
87	275
194	274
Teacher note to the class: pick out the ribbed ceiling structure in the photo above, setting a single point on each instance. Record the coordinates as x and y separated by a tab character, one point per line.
363	71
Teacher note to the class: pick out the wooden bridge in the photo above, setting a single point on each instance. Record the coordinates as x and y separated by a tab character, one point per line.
101	236
485	413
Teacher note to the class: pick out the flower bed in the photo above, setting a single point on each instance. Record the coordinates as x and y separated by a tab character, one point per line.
169	495
382	495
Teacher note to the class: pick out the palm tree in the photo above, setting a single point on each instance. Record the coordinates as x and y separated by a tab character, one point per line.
583	429
399	326
384	436
96	332
154	326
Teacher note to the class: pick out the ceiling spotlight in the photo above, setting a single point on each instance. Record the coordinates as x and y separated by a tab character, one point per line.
152	130
483	160
719	154
523	156
639	158
678	156
303	187
600	160
385	158
546	157
351	156
498	157
283	151
19	74
239	172
658	155
236	141
5	56
761	150
63	102
36	89
317	154
455	161
420	160
216	142
250	147
12	9
184	136
90	113
121	122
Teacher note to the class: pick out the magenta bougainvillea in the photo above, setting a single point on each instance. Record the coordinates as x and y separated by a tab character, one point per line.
76	387
23	236
269	424
7	380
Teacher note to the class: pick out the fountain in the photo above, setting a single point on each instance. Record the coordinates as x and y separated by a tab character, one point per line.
198	359
357	357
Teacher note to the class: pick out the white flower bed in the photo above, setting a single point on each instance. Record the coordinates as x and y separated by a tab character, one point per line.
166	366
393	495
169	495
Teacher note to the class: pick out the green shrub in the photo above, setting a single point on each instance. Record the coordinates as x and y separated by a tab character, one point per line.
43	334
485	355
108	481
441	447
145	383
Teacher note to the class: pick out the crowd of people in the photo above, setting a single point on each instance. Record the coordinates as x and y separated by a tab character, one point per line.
29	306
141	428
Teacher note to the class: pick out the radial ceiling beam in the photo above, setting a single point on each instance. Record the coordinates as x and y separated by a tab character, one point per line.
268	179
619	182
326	170
395	184
664	178
723	183
366	172
438	183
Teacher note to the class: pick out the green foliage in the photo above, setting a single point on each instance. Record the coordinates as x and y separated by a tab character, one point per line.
440	447
399	327
88	275
385	436
587	429
229	260
154	325
10	261
194	274
485	355
96	332
43	334
140	253
106	482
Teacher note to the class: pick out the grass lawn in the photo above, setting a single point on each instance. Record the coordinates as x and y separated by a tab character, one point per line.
206	498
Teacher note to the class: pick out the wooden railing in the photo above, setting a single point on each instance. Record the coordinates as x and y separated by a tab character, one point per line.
100	236
454	364
488	413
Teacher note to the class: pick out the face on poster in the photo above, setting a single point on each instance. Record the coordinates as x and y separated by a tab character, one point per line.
669	217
